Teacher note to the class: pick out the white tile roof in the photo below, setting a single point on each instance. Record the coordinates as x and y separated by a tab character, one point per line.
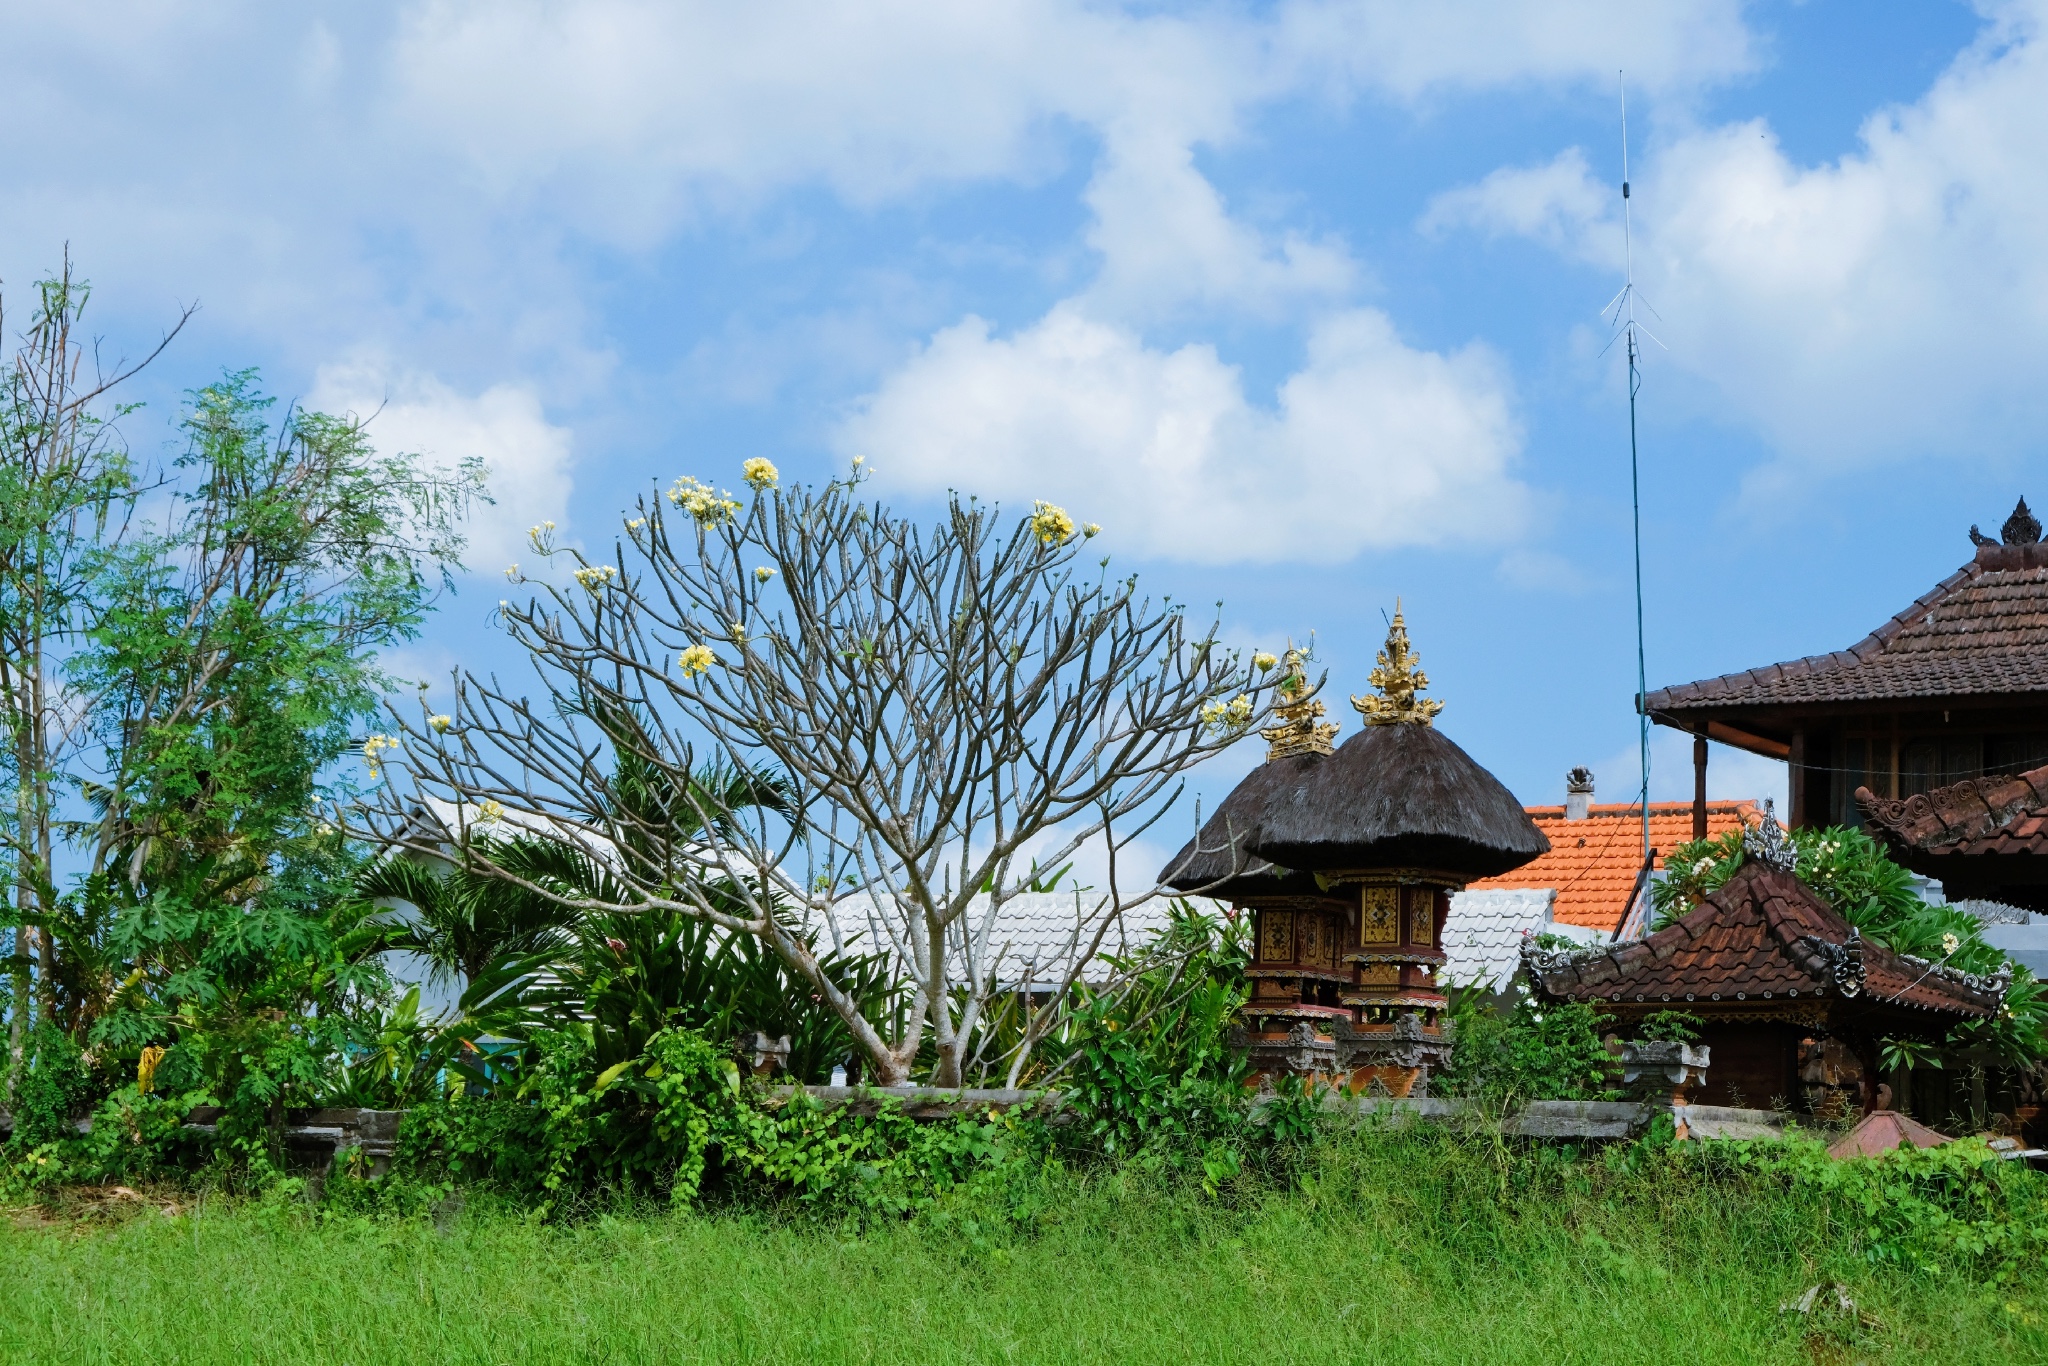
1036	934
1483	936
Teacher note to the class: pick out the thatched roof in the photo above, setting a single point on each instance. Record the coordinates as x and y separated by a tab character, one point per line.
1397	796
1218	861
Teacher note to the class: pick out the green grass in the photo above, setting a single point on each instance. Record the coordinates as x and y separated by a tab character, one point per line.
1416	1250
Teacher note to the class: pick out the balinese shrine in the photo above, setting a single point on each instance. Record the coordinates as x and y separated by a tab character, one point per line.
1346	858
1792	1000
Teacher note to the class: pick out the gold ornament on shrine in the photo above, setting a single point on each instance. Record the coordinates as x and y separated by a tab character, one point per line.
1399	678
1297	731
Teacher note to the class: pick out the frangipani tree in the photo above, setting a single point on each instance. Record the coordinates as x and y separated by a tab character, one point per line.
942	709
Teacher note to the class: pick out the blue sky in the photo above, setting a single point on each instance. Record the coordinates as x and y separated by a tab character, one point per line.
1299	300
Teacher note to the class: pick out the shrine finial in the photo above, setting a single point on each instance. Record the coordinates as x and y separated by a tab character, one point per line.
1398	679
1297	730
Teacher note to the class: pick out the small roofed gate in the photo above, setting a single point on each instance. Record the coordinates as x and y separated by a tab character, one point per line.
1792	998
1346	858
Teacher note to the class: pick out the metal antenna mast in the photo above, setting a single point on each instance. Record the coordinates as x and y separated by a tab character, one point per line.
1624	307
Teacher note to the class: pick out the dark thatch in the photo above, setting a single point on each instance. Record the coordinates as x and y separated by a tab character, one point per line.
1217	861
1398	796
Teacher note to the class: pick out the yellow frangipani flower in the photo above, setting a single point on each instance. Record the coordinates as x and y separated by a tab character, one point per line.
1050	524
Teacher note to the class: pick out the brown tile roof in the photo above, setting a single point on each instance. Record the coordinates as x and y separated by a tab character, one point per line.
1981	631
1883	1130
1991	815
1593	863
1764	937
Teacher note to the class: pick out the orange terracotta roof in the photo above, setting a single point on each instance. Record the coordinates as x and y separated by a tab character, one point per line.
1593	863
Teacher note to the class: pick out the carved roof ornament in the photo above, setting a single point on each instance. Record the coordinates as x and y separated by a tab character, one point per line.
1766	842
2022	528
1297	731
1398	678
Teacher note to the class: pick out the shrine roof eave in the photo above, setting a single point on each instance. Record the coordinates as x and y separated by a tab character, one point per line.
1763	943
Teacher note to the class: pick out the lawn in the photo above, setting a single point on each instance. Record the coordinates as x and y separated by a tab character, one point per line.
1380	1250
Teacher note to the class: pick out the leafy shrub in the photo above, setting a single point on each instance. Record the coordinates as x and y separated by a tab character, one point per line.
1547	1050
50	1089
1151	1070
1958	1205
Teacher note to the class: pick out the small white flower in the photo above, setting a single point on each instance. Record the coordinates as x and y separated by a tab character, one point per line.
512	571
1090	530
440	723
709	506
695	660
759	473
596	576
763	574
1263	661
1949	945
490	813
635	523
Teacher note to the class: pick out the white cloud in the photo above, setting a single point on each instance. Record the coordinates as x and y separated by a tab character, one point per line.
1409	50
1372	444
1890	304
527	459
1559	203
1168	242
879	97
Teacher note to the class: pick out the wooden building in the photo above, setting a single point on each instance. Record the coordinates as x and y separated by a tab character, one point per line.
1954	687
1793	999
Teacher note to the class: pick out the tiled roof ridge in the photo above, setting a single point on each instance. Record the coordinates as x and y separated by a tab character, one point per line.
1863	651
1974	808
1826	954
1609	810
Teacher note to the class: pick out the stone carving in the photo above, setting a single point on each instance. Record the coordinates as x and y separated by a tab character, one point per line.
1766	842
2022	528
1843	963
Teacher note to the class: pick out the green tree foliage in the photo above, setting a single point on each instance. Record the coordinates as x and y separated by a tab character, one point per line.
228	663
67	492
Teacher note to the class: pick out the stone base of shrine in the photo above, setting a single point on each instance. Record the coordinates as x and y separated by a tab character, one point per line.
1398	1083
1385	1060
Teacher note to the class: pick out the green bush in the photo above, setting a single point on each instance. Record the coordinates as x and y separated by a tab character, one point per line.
1538	1050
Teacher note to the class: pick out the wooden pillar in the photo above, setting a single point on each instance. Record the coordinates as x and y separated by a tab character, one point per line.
1699	783
1795	764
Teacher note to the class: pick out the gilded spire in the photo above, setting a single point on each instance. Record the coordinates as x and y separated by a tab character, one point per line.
1297	731
1398	680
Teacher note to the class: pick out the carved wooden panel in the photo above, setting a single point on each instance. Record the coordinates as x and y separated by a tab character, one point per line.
1276	936
1318	941
1421	914
1379	915
1379	974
